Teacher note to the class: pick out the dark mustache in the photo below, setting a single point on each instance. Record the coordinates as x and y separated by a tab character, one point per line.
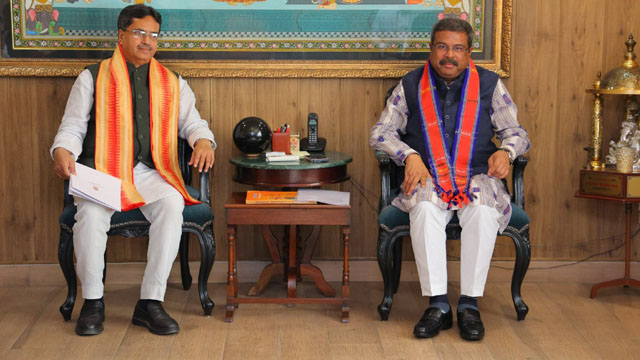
142	46
450	61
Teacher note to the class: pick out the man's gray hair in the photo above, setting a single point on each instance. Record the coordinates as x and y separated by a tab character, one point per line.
455	25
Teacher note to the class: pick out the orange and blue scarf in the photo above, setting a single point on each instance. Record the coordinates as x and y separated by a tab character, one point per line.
451	172
114	126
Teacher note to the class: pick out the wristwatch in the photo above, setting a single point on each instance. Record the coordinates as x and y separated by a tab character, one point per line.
510	154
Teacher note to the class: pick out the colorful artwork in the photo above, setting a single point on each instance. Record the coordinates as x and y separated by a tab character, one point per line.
250	29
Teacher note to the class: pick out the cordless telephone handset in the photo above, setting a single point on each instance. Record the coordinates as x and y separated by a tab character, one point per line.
313	142
312	124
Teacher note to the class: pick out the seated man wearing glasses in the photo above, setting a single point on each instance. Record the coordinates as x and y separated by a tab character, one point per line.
439	123
123	118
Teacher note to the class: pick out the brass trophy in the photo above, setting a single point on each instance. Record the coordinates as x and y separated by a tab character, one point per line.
620	181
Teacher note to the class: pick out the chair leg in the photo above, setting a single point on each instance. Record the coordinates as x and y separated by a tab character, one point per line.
385	261
185	272
104	270
523	256
397	264
207	256
65	259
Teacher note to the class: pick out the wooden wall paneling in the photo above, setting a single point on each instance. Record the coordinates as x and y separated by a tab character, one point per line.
575	216
610	232
329	114
23	97
266	102
594	44
369	182
48	200
7	229
250	245
327	103
308	102
354	138
557	48
287	95
223	120
536	86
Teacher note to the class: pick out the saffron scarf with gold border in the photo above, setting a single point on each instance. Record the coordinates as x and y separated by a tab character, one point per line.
114	126
451	172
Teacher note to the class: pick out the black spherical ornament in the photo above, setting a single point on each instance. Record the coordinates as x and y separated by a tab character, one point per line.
252	135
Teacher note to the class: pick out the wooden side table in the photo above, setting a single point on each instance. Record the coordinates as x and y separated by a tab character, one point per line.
239	213
256	171
612	185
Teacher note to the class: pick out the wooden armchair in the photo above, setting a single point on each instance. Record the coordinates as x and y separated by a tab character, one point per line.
197	219
393	224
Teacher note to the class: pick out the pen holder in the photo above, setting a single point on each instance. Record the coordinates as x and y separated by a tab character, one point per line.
280	142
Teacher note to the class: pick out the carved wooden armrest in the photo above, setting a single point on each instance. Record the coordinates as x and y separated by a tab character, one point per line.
517	179
384	162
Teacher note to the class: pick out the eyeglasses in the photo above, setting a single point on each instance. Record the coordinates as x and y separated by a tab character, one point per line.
457	49
141	34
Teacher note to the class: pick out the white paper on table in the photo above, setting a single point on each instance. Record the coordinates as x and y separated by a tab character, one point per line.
282	158
96	186
330	197
274	153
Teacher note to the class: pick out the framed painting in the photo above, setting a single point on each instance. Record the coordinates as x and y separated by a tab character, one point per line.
252	38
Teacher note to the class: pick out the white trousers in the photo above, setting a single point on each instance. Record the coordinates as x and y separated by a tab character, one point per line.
165	216
428	238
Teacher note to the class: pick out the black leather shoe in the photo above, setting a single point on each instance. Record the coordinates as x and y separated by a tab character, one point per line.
470	324
155	319
432	321
91	318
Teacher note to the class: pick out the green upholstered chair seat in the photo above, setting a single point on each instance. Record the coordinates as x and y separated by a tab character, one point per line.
391	218
519	219
198	214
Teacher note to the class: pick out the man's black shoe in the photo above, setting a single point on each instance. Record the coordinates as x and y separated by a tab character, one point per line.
91	318
154	318
432	321
470	324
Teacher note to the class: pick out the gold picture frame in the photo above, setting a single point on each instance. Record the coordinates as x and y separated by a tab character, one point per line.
497	59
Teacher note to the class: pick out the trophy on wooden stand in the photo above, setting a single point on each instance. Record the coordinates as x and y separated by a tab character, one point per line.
608	178
622	182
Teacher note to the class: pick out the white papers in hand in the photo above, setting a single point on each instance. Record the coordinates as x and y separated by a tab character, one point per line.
96	186
330	197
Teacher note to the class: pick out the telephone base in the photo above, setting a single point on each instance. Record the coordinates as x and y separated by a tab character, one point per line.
317	147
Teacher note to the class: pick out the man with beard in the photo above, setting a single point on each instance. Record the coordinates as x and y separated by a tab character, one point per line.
123	118
439	123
